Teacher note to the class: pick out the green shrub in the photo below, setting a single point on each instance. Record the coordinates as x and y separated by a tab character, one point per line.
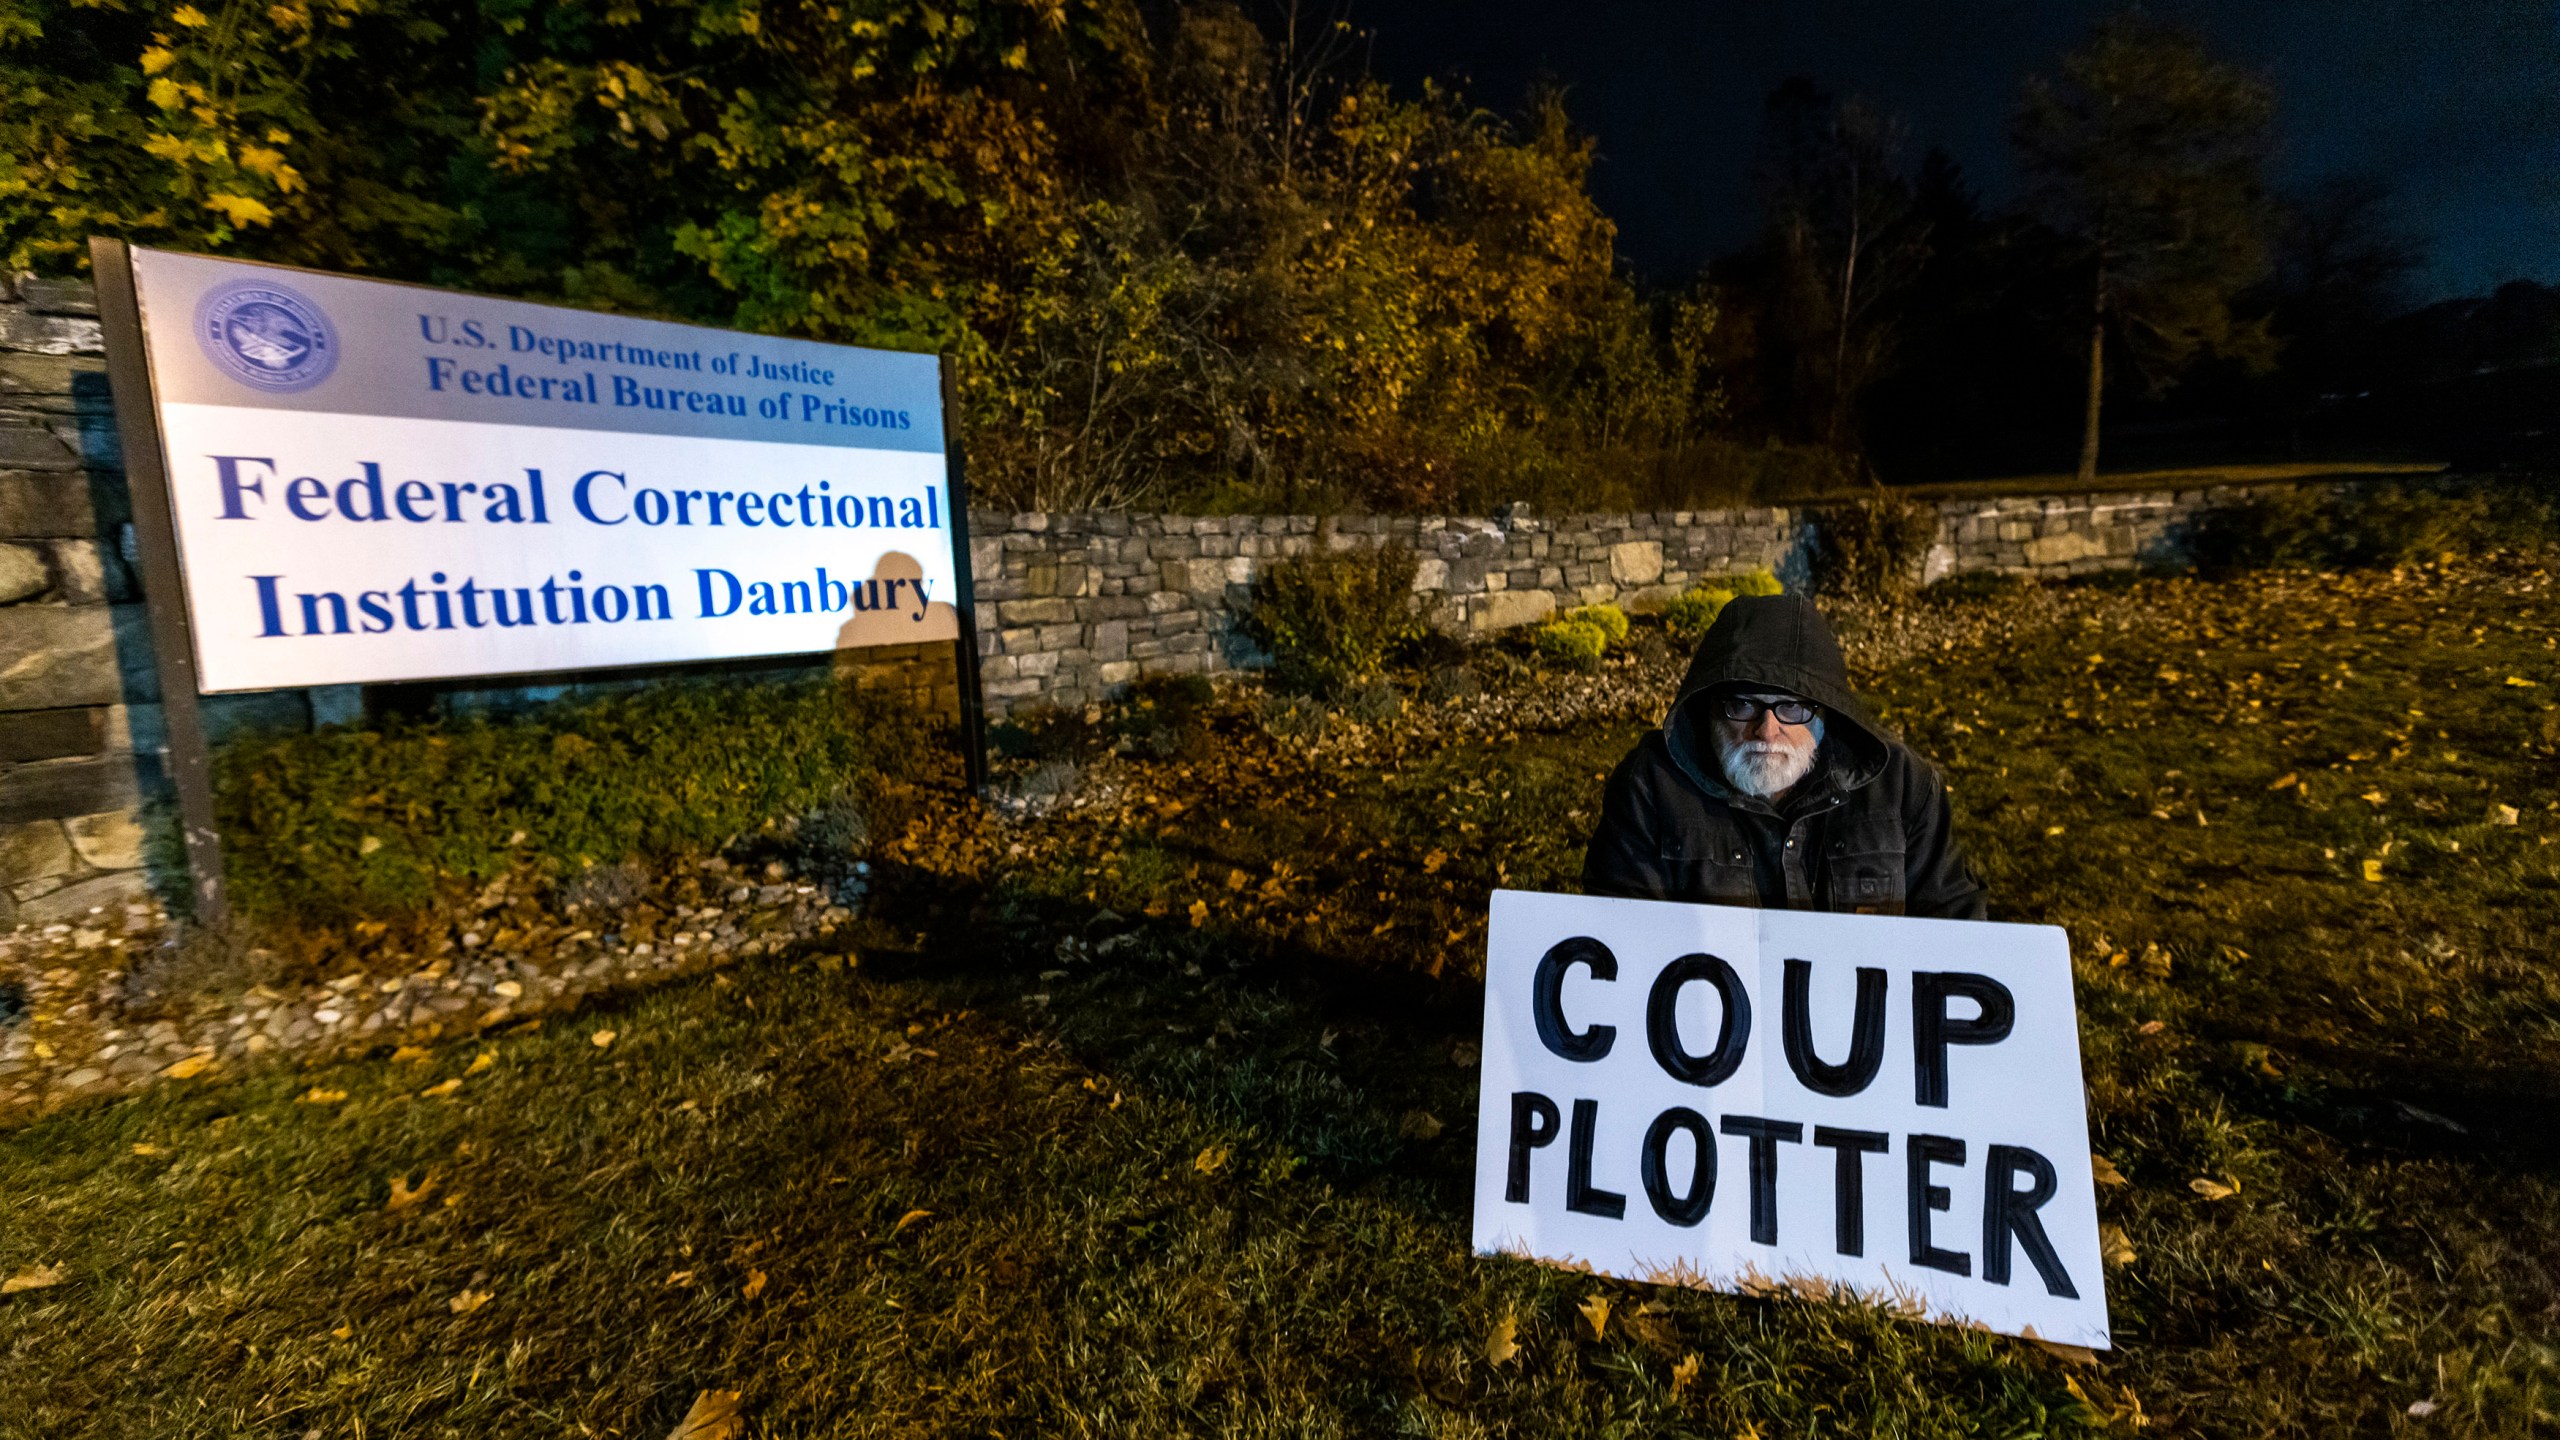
1609	620
1874	546
2314	527
1574	642
1332	621
1688	617
1166	716
347	823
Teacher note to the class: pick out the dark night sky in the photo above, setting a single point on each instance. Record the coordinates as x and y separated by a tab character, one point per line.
2456	103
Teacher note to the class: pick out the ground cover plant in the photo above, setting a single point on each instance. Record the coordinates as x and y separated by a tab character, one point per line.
1148	1111
355	823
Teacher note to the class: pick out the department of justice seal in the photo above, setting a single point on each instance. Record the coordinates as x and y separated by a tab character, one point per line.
266	336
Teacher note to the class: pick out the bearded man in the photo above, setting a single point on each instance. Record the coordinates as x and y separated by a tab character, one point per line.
1770	785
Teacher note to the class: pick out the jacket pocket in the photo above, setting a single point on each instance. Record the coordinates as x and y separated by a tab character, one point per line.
1716	865
1868	874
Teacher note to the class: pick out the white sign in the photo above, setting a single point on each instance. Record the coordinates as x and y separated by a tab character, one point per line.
378	482
1770	1099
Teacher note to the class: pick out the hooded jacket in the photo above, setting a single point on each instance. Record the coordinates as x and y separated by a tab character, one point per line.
1867	830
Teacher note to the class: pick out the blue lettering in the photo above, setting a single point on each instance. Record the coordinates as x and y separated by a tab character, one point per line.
270	611
408	502
227	469
727	605
299	495
578	496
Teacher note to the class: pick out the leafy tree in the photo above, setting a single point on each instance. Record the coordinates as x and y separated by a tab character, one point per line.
1844	241
1179	263
2148	152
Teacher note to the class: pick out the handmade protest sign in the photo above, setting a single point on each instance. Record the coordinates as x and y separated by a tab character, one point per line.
1871	1106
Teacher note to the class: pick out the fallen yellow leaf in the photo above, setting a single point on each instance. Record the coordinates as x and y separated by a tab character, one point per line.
467	1301
410	1052
1595	1312
189	1068
681	1279
1211	1160
2212	1189
2373	871
34	1277
754	1286
1685	1374
146	1149
601	1039
317	1096
402	1197
1503	1342
2508	815
2286	781
441	1090
910	1218
2113	1247
1432	862
1419	1125
2104	1170
2519	680
2067	1353
714	1416
1199	913
485	1060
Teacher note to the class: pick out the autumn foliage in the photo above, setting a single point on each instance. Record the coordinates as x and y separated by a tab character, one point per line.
1182	263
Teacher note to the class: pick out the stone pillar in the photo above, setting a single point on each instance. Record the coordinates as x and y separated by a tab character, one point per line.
77	710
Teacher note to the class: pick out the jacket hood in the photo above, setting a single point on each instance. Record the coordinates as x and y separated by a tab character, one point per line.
1777	642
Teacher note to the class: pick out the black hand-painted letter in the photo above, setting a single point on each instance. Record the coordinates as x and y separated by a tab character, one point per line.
2008	1211
1534	1123
1579	1193
1849	1185
1678	1208
1933	1030
1547	998
1866	1033
1662	1021
1921	1152
1764	1136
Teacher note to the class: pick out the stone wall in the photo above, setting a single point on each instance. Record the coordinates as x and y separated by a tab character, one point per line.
1070	607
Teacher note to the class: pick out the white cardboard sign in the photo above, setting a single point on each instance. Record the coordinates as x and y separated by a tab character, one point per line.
1742	1099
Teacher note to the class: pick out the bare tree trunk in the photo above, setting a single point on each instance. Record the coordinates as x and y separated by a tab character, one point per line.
2097	384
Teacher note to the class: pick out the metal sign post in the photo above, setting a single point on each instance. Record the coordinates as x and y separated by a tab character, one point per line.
973	700
164	590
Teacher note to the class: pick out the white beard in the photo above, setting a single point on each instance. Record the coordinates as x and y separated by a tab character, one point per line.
1760	769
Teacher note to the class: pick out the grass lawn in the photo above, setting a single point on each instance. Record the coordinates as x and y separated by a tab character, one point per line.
1152	1115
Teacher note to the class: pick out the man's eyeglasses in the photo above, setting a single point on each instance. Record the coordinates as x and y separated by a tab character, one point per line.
1747	710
